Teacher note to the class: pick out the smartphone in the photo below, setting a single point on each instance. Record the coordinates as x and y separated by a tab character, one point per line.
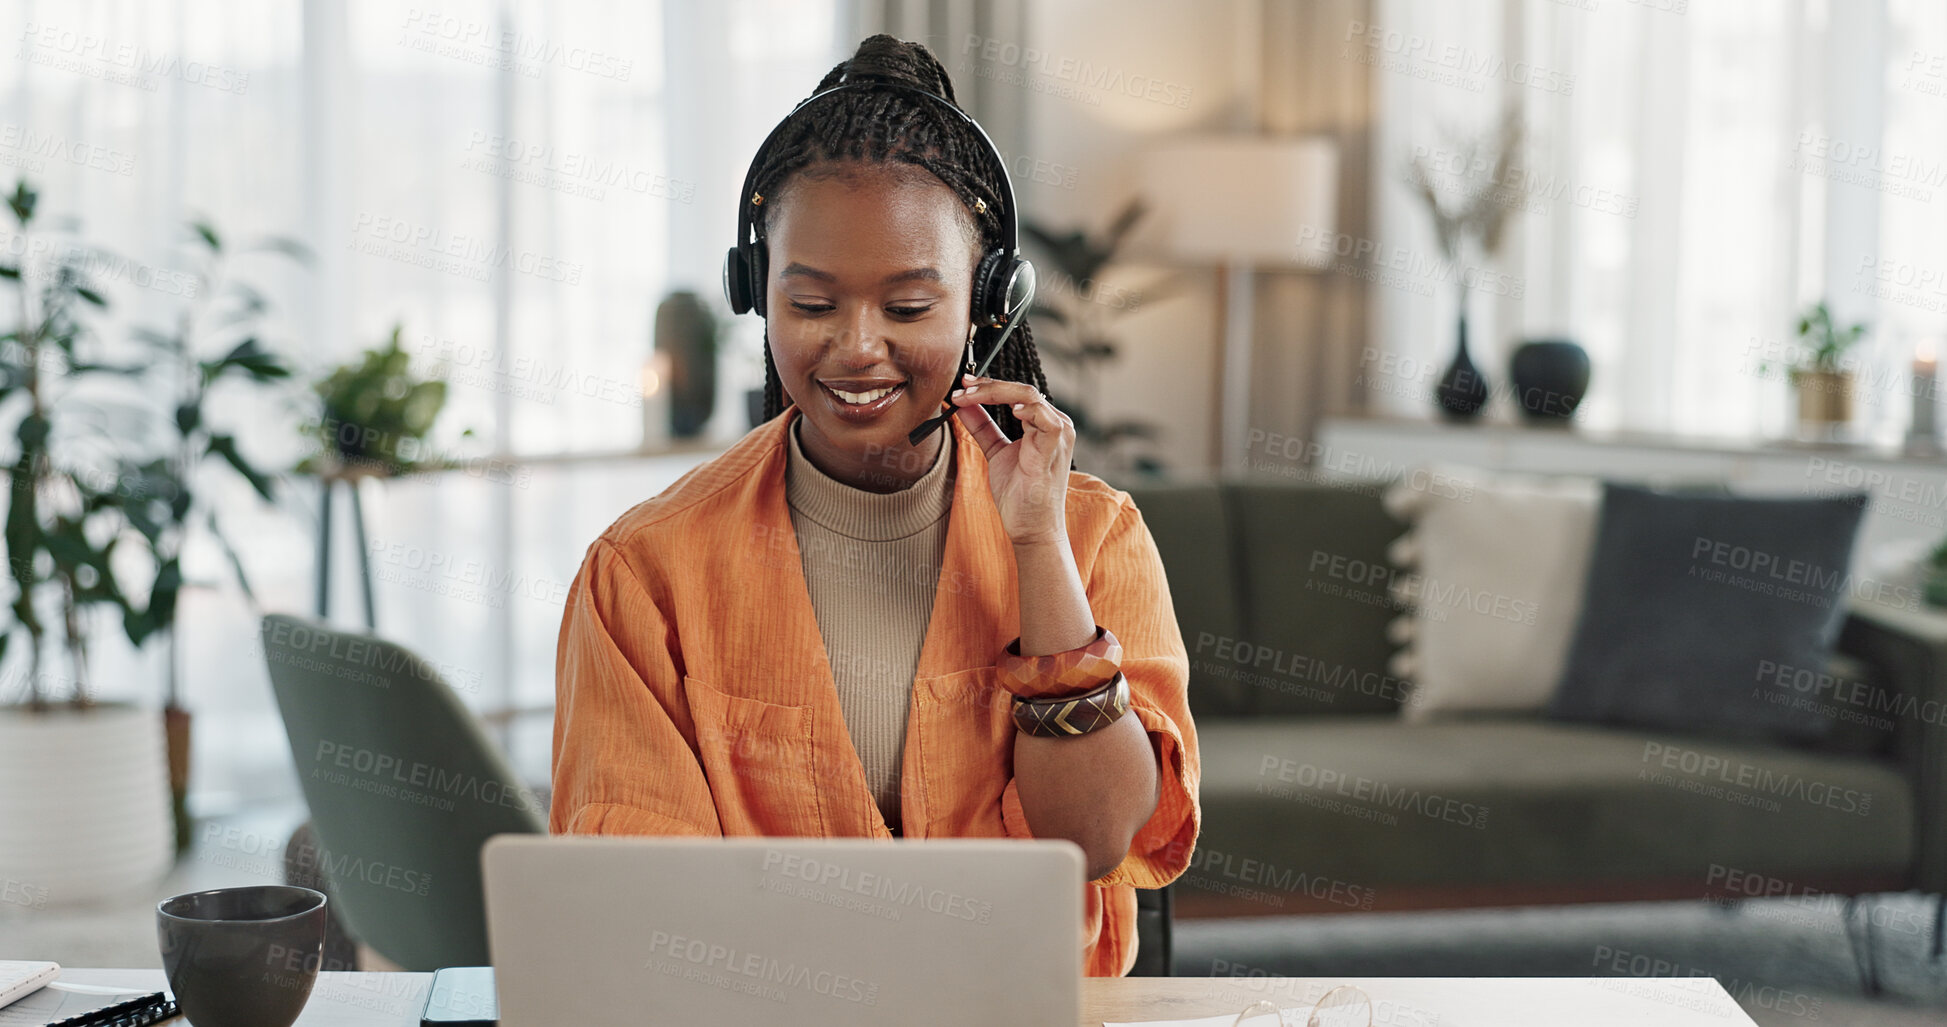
462	996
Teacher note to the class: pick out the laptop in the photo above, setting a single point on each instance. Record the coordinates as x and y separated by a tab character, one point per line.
602	931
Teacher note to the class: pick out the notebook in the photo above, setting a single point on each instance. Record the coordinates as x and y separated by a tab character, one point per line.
20	977
30	996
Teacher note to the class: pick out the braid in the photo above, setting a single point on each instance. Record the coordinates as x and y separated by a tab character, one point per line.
882	125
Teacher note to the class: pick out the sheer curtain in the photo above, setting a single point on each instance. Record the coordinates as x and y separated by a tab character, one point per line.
1682	165
515	185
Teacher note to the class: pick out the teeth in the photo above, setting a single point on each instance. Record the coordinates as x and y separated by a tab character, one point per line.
861	397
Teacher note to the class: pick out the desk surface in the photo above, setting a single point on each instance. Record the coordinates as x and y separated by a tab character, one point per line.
395	999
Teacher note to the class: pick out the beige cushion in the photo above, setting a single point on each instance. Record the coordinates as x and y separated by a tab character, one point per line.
1496	565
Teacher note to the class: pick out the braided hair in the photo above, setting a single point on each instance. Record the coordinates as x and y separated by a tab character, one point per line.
883	125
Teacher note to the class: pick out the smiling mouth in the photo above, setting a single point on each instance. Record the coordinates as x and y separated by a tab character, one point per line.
866	398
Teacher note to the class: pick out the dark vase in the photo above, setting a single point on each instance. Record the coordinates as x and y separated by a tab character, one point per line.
686	329
1462	392
1550	378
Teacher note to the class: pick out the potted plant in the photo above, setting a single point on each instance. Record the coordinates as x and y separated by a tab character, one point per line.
86	808
162	500
373	417
1824	385
371	421
1082	309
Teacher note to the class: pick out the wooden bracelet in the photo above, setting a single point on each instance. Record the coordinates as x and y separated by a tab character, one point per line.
1068	718
1074	672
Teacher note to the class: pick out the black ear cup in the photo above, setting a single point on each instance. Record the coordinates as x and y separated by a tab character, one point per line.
1002	285
985	276
736	281
760	260
743	278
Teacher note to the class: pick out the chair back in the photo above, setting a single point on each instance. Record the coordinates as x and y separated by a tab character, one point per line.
404	788
1155	929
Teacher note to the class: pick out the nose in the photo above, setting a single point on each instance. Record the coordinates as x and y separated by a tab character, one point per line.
860	342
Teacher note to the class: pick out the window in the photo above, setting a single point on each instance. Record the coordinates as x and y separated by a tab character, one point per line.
1675	197
516	184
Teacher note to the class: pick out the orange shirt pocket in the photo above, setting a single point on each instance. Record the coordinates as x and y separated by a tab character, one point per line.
966	732
757	757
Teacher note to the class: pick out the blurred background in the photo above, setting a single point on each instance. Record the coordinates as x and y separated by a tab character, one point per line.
376	314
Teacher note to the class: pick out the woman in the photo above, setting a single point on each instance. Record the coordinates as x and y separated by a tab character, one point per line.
810	634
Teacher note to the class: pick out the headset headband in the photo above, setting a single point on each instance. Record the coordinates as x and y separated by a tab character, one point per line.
748	222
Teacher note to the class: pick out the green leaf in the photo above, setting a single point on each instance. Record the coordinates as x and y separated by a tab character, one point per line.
251	302
142	520
208	234
243	350
90	295
160	340
160	613
188	417
1128	429
226	447
286	245
236	562
138	625
129	370
1098	349
66	543
251	358
1121	225
23	201
7	271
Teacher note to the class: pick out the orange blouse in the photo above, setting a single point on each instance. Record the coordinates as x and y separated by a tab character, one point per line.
694	696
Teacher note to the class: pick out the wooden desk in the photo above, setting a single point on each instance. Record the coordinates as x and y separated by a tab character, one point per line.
395	999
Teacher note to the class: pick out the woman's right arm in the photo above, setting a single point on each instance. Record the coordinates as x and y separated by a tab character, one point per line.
622	760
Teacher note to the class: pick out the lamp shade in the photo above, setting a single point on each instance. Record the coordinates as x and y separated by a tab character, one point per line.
1248	199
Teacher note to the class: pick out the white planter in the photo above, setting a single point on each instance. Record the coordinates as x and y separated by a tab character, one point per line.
84	804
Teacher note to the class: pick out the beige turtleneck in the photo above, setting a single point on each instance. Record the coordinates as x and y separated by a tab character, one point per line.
871	563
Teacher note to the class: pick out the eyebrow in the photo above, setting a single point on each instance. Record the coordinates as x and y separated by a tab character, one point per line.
928	274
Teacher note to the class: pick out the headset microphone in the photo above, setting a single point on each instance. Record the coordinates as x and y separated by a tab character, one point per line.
927	426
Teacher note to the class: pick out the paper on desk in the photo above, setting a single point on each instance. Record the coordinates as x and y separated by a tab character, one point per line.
1512	1002
1284	1016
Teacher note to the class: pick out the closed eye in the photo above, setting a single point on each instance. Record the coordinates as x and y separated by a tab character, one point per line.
815	309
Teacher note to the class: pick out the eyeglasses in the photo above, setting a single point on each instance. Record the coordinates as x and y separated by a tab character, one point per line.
1343	1006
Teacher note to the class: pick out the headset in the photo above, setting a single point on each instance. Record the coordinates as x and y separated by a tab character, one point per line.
1003	282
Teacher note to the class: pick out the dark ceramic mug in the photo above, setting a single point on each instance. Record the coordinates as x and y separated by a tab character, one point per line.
242	957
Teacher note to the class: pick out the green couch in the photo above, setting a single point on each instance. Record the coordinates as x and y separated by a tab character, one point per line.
1317	796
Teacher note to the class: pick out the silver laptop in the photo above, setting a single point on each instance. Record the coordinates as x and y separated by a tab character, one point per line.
601	931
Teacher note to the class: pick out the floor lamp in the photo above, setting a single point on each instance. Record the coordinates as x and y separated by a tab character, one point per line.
1240	203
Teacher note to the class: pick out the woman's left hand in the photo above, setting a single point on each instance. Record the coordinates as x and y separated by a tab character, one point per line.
1028	476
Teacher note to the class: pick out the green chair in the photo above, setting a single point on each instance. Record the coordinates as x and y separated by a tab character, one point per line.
404	788
1155	926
